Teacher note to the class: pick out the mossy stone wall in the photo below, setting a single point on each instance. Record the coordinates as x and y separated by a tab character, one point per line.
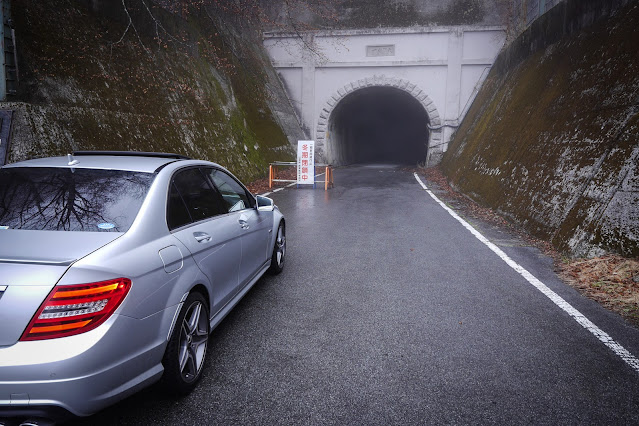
552	139
357	14
148	77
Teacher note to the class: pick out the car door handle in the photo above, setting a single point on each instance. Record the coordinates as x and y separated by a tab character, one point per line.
244	224
202	237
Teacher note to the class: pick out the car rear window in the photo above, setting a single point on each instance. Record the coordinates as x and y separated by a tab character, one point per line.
61	199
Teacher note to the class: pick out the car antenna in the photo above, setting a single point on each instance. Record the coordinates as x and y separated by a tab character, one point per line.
72	161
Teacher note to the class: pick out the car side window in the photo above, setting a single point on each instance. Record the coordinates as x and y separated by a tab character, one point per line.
191	198
177	213
234	195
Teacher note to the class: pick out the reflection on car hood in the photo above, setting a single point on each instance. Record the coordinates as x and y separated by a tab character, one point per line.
50	247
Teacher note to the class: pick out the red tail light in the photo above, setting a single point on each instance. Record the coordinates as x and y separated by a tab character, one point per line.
75	309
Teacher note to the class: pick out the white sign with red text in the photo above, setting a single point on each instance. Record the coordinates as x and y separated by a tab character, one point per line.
305	162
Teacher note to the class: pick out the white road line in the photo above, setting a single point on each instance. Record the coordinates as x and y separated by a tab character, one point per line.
622	352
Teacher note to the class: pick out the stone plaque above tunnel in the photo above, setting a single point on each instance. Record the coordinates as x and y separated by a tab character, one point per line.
386	50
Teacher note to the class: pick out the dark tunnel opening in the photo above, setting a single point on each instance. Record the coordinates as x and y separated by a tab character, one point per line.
379	125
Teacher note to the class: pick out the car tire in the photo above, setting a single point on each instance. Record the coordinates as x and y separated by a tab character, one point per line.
279	251
185	354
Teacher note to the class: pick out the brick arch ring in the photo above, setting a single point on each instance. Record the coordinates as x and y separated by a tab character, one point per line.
435	125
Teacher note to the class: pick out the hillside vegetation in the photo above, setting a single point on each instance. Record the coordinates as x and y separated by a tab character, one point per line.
180	77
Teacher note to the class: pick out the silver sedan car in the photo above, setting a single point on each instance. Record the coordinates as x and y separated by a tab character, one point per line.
114	269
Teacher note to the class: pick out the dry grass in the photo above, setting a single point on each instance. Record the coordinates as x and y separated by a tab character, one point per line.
433	174
611	280
471	209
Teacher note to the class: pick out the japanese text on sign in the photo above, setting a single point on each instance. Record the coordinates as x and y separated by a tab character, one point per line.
305	162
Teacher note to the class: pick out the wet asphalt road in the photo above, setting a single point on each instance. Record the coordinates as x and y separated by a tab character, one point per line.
390	312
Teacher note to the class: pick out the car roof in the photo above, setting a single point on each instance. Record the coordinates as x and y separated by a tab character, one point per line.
137	161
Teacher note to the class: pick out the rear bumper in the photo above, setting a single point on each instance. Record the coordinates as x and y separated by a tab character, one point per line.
34	412
82	374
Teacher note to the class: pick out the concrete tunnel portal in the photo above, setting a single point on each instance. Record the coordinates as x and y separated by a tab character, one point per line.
362	71
379	125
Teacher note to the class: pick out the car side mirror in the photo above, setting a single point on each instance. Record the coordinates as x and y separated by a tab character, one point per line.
264	204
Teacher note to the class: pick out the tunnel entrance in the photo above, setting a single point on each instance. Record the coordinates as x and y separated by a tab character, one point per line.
379	125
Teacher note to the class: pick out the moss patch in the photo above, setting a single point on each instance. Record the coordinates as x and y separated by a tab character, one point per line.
551	139
366	14
175	82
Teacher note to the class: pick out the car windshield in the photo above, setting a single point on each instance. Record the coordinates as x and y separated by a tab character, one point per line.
61	199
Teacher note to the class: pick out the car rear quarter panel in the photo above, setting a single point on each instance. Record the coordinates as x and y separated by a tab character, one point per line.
152	287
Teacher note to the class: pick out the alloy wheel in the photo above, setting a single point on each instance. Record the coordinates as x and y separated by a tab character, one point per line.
280	246
194	337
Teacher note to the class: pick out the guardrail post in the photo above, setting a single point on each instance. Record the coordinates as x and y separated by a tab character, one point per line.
270	176
272	171
326	176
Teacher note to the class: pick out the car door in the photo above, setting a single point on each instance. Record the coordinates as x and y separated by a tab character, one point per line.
255	226
199	218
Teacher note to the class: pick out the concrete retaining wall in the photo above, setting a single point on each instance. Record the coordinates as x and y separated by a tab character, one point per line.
94	75
551	141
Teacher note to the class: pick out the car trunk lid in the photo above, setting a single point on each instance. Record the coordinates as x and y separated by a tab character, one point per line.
31	263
